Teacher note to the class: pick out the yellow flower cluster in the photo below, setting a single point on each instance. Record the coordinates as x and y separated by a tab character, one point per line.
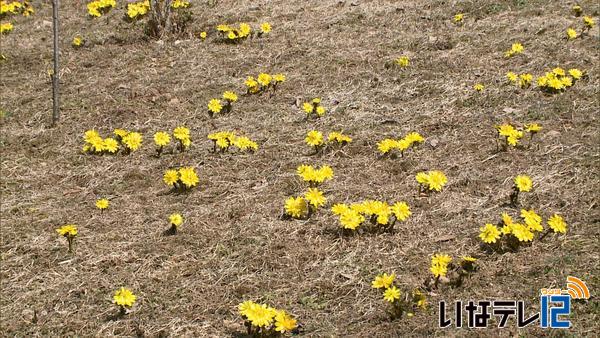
403	61
100	7
180	4
339	138
479	87
15	7
315	176
522	80
223	140
265	321
6	27
263	82
515	49
244	31
137	10
216	106
381	215
314	107
182	179
96	144
441	265
303	207
392	294
558	80
410	140
512	136
490	234
181	134
434	180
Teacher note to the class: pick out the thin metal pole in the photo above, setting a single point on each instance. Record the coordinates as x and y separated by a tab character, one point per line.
55	102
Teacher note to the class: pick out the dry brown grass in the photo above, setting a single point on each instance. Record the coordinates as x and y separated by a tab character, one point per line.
233	246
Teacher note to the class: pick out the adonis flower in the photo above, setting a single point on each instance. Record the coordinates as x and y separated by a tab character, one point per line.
383	281
315	197
489	233
214	106
284	322
532	220
102	204
391	294
264	79
176	220
314	138
69	231
279	78
230	96
523	183
124	297
571	34
296	207
557	224
110	145
437	180
458	18
439	265
512	77
479	87
171	177
589	22
132	141
188	177
516	48
161	138
403	61
401	210
522	233
265	28
338	137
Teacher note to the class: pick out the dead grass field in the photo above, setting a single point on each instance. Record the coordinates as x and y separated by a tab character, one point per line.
234	246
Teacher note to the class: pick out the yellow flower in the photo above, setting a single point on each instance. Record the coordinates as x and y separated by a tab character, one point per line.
203	35
422	178
102	204
512	77
264	79
489	233
68	230
120	133
517	48
161	138
315	197
567	81
589	22
176	219
391	294
469	259
284	322
522	233
110	144
6	27
188	177
339	208
320	110
124	297
403	61
180	4
296	207
577	10
260	315
441	259
575	73
244	143
77	41
533	127
265	27
558	71
479	87
214	106
386	145
571	33
244	30
414	137
230	96
223	28
314	138
437	180
506	219
458	18
555	83
401	210
525	80
557	224
133	141
523	183
532	220
338	137
383	281
278	78
171	177
351	219
308	107
439	270
181	133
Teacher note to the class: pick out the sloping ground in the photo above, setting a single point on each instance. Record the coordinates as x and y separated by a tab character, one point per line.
234	246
